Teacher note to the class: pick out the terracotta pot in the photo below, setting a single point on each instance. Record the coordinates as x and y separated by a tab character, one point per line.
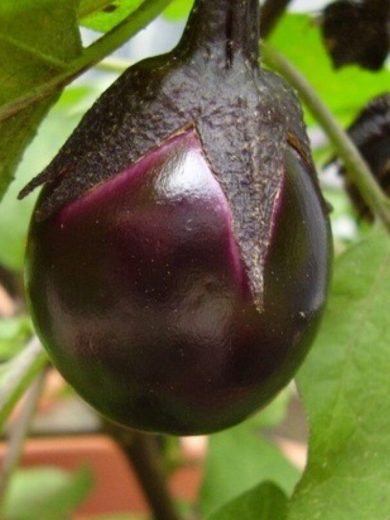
116	489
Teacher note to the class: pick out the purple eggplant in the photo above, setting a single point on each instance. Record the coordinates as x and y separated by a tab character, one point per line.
179	254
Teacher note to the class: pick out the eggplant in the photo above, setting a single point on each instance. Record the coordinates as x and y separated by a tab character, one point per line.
179	254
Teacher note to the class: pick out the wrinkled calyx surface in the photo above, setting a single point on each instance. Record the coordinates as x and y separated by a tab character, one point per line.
178	257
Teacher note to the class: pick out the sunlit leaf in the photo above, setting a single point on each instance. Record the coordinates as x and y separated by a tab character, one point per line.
46	493
240	458
103	15
37	39
345	386
264	502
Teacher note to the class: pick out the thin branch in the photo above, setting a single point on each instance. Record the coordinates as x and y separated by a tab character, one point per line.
18	434
17	374
358	170
142	452
271	11
114	65
91	55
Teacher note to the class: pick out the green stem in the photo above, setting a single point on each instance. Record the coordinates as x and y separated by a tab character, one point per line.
114	65
18	434
358	170
91	55
17	374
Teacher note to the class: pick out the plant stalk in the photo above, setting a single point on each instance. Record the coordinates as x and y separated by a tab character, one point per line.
358	170
114	65
143	455
222	30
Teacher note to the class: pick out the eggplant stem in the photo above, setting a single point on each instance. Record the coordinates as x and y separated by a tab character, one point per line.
142	453
223	29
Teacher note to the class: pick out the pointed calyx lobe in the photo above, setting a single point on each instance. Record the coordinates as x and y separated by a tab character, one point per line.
186	200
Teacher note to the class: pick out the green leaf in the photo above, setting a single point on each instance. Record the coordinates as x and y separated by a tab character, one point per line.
15	214
345	92
178	9
274	413
46	494
264	502
103	15
14	334
345	386
240	458
37	39
16	376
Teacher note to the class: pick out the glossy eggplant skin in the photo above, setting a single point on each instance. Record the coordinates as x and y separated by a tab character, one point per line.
178	257
142	299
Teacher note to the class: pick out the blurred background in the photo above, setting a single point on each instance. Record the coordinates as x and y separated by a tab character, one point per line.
66	433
